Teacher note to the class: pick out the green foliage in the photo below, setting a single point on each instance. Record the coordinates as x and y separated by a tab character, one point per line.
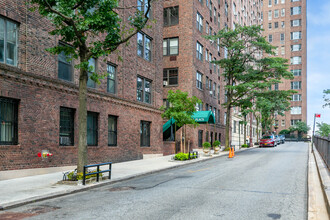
181	108
245	146
206	145
326	99
227	149
181	156
300	126
324	129
216	143
74	176
284	131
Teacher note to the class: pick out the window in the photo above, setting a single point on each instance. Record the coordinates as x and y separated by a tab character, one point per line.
143	6
276	86
294	121
199	80
92	128
296	110
144	46
282	24
211	6
65	70
275	24
91	69
296	72
218	92
282	1
207	27
67	126
295	60
218	20
276	13
143	90
199	22
296	47
145	133
270	3
234	126
269	26
296	97
296	10
282	12
283	123
111	80
207	82
199	51
282	50
199	107
276	51
269	15
296	35
8	42
206	54
296	23
295	0
214	87
282	37
112	130
170	77
270	38
275	2
200	138
8	121
171	46
218	116
296	85
171	16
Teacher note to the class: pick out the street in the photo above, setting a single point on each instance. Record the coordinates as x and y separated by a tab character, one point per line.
262	183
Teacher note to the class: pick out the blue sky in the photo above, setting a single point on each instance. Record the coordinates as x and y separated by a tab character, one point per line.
318	58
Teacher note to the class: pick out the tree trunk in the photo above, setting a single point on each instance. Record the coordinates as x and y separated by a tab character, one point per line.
184	139
251	133
181	141
227	126
244	132
82	120
257	129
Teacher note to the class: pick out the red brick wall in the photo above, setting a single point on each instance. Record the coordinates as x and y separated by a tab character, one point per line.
41	94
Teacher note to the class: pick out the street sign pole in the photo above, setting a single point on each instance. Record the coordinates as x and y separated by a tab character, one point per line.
315	116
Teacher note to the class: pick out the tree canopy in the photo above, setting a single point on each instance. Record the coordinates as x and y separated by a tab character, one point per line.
326	97
323	129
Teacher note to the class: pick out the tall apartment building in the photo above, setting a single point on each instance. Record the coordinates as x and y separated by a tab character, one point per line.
187	55
284	22
39	95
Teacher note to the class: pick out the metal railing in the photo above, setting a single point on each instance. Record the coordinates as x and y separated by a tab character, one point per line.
192	155
97	171
322	145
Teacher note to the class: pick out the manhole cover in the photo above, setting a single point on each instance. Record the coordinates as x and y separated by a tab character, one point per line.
121	188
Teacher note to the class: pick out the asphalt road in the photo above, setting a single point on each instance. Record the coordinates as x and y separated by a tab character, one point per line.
262	183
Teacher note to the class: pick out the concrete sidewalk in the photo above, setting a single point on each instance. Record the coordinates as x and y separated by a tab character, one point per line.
40	184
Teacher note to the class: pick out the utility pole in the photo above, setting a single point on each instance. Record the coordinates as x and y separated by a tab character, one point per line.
315	116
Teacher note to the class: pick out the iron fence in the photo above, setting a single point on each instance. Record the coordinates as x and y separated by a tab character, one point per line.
322	145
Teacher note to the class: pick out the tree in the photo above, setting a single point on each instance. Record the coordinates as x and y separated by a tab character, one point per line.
272	102
245	70
90	29
324	129
326	99
181	109
301	127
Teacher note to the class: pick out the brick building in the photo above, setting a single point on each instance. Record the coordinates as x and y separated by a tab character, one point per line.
39	95
284	22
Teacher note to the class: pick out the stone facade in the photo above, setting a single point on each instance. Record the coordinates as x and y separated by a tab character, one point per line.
34	82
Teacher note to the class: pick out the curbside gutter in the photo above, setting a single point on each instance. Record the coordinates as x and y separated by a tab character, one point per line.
81	188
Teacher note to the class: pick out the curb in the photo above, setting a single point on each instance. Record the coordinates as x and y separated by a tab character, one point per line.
16	204
324	176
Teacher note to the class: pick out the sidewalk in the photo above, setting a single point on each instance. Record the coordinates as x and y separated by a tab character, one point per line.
41	183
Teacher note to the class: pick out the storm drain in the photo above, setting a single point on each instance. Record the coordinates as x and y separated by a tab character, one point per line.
121	188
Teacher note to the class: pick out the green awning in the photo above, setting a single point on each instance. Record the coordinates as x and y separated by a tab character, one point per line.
204	117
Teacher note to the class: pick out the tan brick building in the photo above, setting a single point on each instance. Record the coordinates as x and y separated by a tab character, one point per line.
284	22
39	95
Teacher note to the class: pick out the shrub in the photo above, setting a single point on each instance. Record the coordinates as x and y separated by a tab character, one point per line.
216	143
181	156
74	176
245	145
226	149
206	145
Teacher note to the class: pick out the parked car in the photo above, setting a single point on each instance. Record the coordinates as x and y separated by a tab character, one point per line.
282	138
268	140
278	140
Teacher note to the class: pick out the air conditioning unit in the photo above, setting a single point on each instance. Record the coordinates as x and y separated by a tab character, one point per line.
211	92
164	83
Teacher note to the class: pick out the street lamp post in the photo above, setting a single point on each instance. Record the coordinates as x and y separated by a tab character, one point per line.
315	116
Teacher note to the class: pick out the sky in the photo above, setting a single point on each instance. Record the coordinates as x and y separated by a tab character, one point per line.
318	59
